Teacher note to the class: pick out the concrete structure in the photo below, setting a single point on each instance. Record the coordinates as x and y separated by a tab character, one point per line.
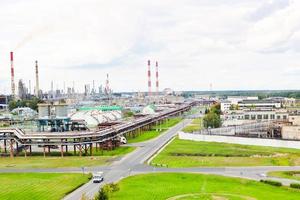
235	99
259	104
284	101
258	115
292	131
53	117
225	105
241	140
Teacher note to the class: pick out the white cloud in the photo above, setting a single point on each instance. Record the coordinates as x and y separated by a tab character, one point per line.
197	42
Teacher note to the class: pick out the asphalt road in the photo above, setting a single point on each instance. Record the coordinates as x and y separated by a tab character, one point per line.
134	163
130	164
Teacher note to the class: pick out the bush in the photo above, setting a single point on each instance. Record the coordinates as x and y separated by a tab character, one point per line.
105	192
101	195
295	185
271	182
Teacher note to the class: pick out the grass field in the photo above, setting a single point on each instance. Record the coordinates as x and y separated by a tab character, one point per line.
185	153
286	174
55	161
147	135
181	186
196	125
37	186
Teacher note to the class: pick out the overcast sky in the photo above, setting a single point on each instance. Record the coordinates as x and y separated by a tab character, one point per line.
233	44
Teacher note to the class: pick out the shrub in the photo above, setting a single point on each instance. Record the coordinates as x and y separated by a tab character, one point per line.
101	195
295	185
105	192
271	182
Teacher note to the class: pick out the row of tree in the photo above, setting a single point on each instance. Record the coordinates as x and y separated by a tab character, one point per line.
212	117
31	103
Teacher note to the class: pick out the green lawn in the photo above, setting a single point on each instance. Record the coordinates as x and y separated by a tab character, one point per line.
185	153
181	186
147	135
195	125
169	123
286	174
37	186
55	161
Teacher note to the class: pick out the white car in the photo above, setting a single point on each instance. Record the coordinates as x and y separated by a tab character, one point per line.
98	177
123	139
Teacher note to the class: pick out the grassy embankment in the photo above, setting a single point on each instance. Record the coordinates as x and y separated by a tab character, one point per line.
286	174
195	125
154	132
180	186
36	186
185	153
69	160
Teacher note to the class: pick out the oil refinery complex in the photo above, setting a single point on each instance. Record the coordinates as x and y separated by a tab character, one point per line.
63	119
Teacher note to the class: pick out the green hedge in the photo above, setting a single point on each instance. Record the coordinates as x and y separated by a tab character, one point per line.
295	185
271	182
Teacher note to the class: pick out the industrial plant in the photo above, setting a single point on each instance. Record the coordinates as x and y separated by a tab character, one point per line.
63	118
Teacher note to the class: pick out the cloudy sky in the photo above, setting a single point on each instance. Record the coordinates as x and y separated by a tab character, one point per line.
233	44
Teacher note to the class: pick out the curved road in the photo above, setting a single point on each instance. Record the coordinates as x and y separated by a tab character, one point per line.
133	163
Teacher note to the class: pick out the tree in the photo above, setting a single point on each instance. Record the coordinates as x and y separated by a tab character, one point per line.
216	108
31	103
211	120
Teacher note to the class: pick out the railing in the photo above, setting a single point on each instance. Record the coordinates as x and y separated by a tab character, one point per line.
65	138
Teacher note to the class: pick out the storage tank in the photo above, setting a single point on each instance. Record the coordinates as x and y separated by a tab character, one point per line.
61	110
44	111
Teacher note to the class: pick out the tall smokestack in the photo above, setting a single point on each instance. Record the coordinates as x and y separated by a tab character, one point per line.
37	86
157	82
12	71
107	89
149	79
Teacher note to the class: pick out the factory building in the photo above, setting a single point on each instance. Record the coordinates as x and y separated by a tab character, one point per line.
235	99
292	131
225	105
238	117
259	104
53	117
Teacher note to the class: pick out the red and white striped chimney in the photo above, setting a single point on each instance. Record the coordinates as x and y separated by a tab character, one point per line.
149	79
12	73
157	82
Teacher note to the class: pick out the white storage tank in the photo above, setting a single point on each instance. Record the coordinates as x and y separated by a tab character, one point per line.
44	111
61	110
